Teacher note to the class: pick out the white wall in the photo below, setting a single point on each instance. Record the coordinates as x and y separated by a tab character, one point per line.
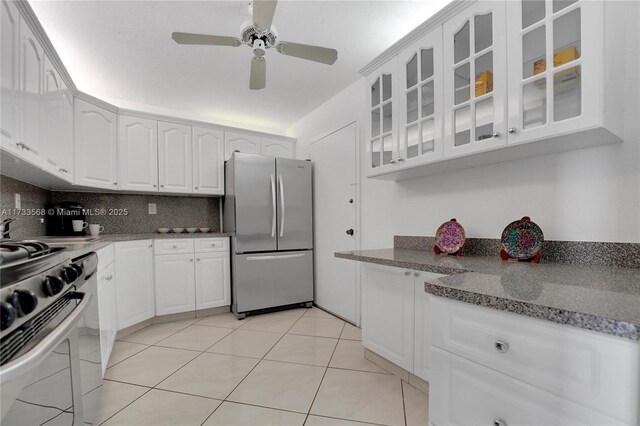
585	195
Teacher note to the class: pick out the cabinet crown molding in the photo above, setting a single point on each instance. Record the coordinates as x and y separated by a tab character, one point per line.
433	22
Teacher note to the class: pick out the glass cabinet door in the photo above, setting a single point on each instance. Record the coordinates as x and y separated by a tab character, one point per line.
475	79
552	78
421	100
382	128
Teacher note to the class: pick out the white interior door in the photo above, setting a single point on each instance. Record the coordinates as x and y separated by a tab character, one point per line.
335	178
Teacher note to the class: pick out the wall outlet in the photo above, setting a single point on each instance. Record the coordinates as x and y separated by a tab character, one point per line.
152	208
18	201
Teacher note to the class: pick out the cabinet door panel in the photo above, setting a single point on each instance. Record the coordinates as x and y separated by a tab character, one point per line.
175	286
277	148
208	161
551	95
388	314
107	309
95	146
31	79
382	119
420	96
57	124
137	154
240	142
475	72
9	71
174	157
213	288
134	286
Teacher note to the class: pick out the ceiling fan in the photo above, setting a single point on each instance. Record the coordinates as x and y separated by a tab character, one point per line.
261	35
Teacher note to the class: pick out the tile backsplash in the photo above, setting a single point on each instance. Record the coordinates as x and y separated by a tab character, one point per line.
171	211
33	200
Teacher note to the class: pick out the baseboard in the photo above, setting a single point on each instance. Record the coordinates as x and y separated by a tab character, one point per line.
397	371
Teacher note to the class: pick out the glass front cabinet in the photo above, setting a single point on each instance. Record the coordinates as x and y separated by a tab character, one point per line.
382	131
555	47
519	77
475	78
420	94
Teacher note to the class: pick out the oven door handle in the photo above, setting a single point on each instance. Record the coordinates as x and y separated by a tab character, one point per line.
37	354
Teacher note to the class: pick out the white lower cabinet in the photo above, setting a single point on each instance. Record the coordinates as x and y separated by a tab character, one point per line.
523	370
212	280
395	317
134	287
175	288
107	308
191	274
387	314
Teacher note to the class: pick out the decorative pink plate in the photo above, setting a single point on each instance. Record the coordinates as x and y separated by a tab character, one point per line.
450	236
522	239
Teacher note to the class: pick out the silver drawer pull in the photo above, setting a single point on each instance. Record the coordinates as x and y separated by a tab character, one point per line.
407	273
499	422
502	347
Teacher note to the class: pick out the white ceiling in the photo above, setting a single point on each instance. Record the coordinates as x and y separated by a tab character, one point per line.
122	52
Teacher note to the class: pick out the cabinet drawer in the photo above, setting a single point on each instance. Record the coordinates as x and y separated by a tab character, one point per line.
105	257
206	245
464	393
173	246
592	369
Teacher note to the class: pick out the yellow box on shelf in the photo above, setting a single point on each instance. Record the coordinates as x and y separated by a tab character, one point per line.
484	83
559	58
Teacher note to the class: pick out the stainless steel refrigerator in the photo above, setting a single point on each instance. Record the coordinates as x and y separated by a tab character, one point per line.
268	209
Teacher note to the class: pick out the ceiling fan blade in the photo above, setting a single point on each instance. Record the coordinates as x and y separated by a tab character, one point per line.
258	79
204	39
263	11
312	53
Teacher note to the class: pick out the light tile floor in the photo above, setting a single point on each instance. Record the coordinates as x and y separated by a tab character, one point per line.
296	367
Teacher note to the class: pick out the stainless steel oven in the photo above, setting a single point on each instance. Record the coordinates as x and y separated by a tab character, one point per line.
50	371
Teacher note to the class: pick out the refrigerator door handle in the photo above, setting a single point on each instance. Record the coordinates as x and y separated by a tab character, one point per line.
281	182
273	205
286	256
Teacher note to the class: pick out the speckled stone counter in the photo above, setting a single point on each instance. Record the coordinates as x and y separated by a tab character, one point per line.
599	298
79	248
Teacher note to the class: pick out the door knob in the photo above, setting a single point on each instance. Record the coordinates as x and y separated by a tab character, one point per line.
350	231
350	200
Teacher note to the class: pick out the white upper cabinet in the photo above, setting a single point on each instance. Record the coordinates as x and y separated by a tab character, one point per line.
249	144
420	101
9	71
175	157
31	58
208	161
555	67
475	78
382	118
277	148
57	124
95	146
137	154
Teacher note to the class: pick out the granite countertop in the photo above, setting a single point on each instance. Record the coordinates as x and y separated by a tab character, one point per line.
79	248
599	298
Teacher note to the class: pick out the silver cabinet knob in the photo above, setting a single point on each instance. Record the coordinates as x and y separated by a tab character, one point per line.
161	186
400	159
512	130
198	260
190	260
115	183
499	422
502	346
392	162
195	187
155	186
150	245
416	274
407	273
175	246
496	134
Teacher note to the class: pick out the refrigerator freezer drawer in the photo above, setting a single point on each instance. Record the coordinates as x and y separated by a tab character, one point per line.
267	280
